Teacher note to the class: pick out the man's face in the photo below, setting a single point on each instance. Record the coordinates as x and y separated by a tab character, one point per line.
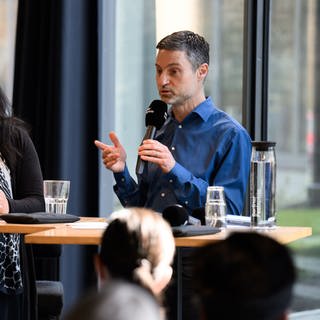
176	80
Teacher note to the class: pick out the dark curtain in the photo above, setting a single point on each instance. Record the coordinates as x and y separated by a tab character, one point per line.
56	92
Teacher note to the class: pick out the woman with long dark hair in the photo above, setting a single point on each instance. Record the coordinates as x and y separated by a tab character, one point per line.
21	190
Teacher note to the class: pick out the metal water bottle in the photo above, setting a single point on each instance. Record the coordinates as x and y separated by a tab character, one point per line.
263	184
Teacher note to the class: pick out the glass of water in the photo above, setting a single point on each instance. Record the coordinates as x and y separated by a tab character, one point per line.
56	194
215	208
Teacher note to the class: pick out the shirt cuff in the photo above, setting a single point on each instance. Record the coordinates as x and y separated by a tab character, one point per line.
179	175
122	178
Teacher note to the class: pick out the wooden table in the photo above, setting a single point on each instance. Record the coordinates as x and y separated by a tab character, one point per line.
66	234
56	233
283	235
71	233
32	228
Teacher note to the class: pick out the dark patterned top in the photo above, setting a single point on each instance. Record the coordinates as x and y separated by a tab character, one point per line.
10	271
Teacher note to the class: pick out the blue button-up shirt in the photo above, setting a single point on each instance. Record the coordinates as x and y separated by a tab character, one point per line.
210	148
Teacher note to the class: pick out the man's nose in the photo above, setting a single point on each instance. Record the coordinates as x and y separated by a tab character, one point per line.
163	79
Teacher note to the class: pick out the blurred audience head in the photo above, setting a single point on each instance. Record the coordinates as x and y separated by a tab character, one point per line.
137	246
117	300
246	276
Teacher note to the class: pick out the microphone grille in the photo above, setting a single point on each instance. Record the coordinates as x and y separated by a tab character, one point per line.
156	114
176	215
199	213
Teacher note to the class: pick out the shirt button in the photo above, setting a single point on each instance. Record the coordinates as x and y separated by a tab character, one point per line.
163	194
180	126
173	148
186	202
123	179
170	180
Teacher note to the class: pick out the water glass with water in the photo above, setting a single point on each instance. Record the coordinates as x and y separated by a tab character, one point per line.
215	208
56	194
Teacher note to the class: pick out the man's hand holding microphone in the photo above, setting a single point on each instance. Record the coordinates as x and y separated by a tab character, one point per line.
114	157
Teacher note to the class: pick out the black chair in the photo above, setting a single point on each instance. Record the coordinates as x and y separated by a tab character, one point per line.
50	299
48	285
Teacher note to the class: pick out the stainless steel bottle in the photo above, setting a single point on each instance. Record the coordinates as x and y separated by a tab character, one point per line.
263	184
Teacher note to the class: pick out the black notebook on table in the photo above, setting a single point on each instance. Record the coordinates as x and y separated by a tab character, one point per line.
38	218
189	231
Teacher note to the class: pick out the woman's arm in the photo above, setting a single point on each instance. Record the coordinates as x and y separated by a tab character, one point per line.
26	178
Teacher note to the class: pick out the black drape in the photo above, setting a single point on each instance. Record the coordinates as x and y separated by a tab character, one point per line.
56	92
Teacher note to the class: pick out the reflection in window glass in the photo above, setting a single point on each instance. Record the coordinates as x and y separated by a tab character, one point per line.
291	112
8	17
294	104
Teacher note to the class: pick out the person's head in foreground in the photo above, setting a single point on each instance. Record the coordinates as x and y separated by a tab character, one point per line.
246	276
117	300
137	246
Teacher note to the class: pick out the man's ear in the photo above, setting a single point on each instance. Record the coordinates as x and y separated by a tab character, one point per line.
203	71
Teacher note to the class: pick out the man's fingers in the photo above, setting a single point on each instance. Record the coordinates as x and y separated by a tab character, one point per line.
113	137
100	145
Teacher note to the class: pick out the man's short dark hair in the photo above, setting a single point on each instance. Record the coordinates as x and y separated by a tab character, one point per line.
246	276
194	45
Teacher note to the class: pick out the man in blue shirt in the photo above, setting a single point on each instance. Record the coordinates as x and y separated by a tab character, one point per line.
199	145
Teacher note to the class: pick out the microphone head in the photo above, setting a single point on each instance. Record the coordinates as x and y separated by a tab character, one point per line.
199	213
176	215
156	114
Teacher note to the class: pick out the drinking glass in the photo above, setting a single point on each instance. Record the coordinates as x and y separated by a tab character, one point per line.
56	194
215	208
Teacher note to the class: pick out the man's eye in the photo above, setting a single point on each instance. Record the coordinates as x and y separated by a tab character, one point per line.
173	71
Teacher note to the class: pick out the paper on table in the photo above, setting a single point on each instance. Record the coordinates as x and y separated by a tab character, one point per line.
89	225
244	222
238	220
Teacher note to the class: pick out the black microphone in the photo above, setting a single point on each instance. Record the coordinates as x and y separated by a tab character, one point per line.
177	215
156	115
199	213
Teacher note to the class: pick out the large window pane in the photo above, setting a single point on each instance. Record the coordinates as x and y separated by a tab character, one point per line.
293	108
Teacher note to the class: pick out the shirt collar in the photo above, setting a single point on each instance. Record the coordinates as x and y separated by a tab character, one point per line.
204	110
